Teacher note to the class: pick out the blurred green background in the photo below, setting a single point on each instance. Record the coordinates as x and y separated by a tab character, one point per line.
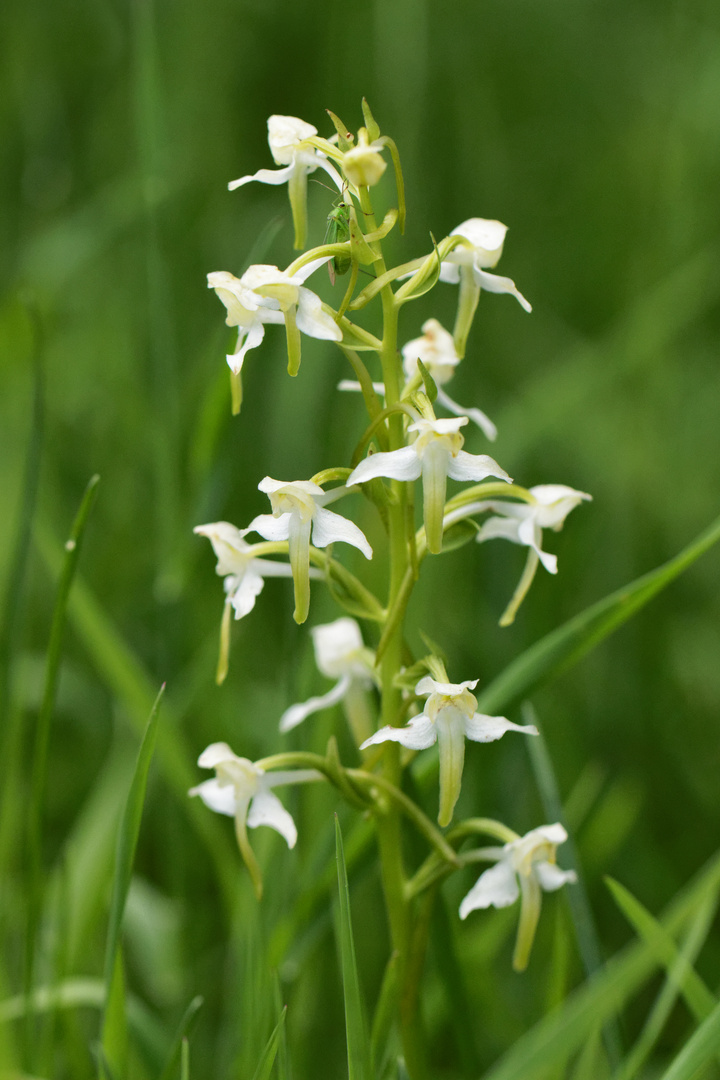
591	129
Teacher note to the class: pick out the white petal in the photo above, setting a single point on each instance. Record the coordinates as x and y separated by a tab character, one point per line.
251	340
266	809
551	877
481	728
220	798
499	528
449	272
297	713
464	466
419	734
300	276
403	464
495	284
243	597
265	176
312	320
271	527
328	528
215	754
428	685
497	887
476	415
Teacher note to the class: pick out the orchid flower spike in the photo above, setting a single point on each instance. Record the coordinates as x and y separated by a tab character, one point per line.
436	453
524	867
436	349
298	509
450	716
339	654
263	295
244	574
467	265
287	137
241	790
523	523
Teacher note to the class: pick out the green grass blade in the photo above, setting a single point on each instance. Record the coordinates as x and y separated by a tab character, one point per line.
699	999
358	1046
38	778
183	1032
185	1060
10	726
124	858
702	1046
267	1060
552	1041
563	647
668	995
577	898
283	1070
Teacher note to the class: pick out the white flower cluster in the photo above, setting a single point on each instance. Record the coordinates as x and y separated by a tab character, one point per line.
299	525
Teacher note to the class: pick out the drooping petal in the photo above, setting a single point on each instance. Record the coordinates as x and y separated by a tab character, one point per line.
477	416
218	797
530	533
312	320
481	728
451	746
266	809
435	461
297	713
402	464
329	528
265	176
247	340
494	283
464	466
496	887
499	528
449	273
551	877
299	554
243	597
418	734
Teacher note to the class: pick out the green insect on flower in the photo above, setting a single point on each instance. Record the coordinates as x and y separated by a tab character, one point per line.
337	232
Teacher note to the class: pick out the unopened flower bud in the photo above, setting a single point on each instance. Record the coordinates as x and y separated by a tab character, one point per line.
363	165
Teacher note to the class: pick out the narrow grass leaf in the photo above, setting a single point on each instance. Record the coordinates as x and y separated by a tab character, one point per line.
112	1033
358	1046
699	1049
185	1060
699	999
563	647
10	636
267	1060
384	1014
283	1069
668	995
39	767
181	1037
552	1041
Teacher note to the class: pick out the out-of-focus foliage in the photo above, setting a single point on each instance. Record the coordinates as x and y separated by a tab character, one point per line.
590	128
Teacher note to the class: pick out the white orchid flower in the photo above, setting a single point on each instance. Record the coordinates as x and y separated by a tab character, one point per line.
339	654
450	716
435	454
265	294
523	523
523	867
436	349
287	137
468	264
244	573
298	510
242	790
